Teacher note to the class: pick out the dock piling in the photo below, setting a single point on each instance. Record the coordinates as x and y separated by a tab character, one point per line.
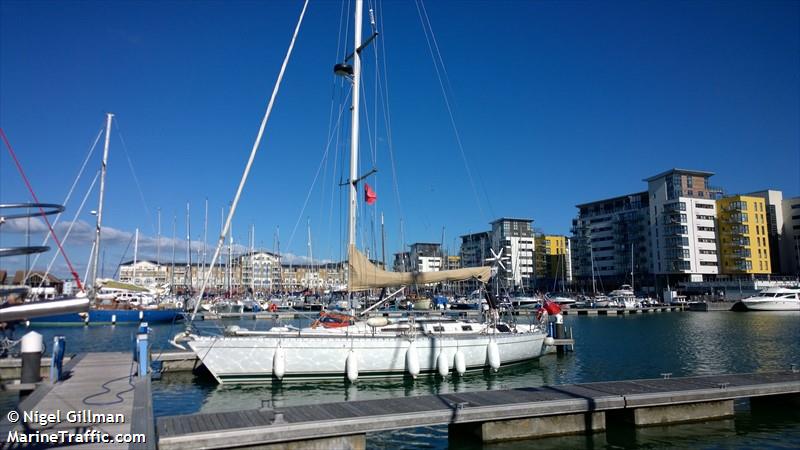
57	361
32	347
142	349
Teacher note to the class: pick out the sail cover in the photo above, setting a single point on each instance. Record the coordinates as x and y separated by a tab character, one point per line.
365	275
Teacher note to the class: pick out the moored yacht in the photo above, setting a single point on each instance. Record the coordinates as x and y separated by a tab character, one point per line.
774	299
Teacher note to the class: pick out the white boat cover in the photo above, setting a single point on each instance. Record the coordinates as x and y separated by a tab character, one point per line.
364	275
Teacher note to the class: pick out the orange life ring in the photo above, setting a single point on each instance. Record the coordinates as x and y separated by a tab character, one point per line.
273	307
332	320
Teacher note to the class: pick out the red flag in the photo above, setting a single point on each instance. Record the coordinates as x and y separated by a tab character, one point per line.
369	195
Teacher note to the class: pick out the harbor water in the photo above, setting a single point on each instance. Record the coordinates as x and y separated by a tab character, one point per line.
607	348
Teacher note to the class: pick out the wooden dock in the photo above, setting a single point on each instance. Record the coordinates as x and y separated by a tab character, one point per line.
99	395
492	415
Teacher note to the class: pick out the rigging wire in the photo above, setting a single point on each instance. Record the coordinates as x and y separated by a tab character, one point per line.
316	177
66	201
388	118
456	132
72	224
334	90
41	210
135	178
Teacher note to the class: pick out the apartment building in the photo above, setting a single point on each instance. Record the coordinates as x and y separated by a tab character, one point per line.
682	217
475	249
743	235
775	227
611	236
514	237
791	237
426	257
556	249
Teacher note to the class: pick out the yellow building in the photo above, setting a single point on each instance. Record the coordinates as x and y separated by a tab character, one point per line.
555	250
743	235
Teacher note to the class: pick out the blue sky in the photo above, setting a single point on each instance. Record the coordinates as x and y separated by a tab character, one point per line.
555	104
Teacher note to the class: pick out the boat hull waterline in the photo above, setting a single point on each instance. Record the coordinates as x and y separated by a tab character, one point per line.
108	316
244	360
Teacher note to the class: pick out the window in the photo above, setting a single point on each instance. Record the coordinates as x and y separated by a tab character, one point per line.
704	206
705	228
708	263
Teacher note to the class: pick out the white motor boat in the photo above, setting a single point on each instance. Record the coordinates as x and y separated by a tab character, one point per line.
561	299
624	297
774	299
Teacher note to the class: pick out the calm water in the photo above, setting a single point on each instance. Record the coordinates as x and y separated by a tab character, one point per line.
607	348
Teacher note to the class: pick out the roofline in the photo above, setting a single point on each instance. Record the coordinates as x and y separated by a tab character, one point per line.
518	219
475	234
683	171
646	193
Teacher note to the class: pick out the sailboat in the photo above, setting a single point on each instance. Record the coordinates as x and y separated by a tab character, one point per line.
112	301
345	346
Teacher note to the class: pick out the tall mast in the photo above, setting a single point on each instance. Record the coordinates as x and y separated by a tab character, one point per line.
188	251
135	253
383	244
252	260
591	257
109	116
174	240
351	236
280	258
632	287
158	245
205	238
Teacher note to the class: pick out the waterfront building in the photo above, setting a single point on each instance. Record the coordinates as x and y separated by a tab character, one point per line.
683	213
775	231
606	235
557	254
426	257
144	273
402	262
514	237
743	235
260	270
791	239
151	274
475	249
452	262
325	276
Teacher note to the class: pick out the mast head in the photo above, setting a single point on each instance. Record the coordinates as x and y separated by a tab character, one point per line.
343	70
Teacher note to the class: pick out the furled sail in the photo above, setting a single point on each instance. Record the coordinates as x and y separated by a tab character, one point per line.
365	275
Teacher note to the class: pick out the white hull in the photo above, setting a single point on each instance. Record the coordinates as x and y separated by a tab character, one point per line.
322	354
46	308
771	304
774	299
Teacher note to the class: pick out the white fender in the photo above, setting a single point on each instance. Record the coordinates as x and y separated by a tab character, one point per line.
279	363
351	366
493	353
460	363
412	360
442	365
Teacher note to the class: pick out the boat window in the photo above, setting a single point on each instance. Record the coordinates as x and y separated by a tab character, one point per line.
438	328
503	328
466	327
